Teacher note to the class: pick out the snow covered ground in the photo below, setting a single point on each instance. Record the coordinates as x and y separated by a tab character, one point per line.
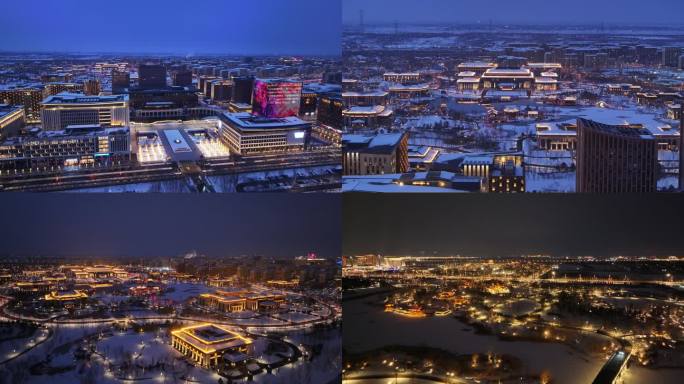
549	181
179	292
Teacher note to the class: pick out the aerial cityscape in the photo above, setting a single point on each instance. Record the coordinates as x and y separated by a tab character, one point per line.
204	309
341	192
433	307
239	118
506	101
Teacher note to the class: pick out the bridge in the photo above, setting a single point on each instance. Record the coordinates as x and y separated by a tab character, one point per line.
613	368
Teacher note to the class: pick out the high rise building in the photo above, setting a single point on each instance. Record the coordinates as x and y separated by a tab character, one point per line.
221	90
329	110
30	98
242	90
182	77
151	76
276	97
615	159
92	87
52	89
121	81
202	82
671	56
61	111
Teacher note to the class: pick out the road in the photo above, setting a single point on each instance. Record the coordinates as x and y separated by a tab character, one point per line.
528	279
92	177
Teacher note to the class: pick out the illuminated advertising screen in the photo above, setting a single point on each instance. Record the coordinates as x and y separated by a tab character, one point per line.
273	98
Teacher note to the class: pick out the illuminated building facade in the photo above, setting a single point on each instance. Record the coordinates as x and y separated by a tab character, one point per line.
329	110
559	137
65	295
92	87
246	134
492	76
11	120
29	98
404	78
63	110
370	117
56	88
615	159
274	98
95	272
236	301
507	174
74	147
205	344
373	155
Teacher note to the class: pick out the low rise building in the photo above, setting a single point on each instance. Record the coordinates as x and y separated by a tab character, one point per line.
246	134
375	154
71	148
205	344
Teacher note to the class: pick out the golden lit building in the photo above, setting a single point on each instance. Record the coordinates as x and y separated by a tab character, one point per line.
236	301
206	343
497	289
71	295
96	272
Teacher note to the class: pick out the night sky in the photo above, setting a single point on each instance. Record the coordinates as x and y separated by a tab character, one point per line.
500	225
515	11
272	225
298	27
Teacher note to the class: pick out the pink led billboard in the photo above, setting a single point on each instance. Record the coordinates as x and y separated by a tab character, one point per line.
276	98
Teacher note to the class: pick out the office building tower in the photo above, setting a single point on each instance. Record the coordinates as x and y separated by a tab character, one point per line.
615	159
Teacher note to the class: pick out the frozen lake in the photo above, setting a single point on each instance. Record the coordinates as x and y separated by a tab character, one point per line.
367	327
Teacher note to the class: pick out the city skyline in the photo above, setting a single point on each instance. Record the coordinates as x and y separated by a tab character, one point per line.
576	225
269	27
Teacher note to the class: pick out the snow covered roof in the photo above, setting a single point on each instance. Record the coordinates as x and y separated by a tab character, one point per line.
468	80
361	94
496	72
373	110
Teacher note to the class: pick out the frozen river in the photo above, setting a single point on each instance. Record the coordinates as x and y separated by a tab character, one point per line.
367	327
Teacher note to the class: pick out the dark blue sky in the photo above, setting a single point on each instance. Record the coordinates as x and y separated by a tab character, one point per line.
300	27
274	225
516	11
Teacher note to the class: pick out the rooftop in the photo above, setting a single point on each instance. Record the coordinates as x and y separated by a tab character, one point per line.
211	338
619	130
78	98
248	121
